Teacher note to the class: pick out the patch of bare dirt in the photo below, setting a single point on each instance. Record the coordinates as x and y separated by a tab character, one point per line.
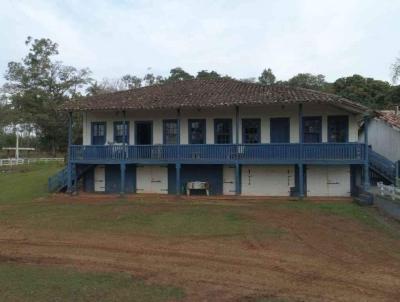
320	258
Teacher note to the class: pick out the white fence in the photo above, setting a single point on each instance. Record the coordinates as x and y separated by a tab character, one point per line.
390	190
27	161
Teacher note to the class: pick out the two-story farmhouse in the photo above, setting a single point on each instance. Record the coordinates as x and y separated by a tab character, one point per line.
236	137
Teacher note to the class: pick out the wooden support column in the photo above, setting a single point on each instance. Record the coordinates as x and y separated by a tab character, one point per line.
301	141
366	183
178	142
237	124
178	179
69	163
237	179
301	180
178	126
123	163
237	165
124	133
75	174
122	169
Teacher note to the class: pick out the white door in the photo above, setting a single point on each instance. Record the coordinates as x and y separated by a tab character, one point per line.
317	184
159	180
143	179
152	179
267	180
229	180
99	179
339	181
328	181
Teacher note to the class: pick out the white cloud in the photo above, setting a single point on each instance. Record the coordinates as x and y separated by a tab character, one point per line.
240	38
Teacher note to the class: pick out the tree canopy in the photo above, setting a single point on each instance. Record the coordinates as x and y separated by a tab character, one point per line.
38	85
396	70
178	74
308	81
205	74
367	91
267	77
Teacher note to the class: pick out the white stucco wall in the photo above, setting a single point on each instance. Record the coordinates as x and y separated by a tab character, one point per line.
384	139
262	112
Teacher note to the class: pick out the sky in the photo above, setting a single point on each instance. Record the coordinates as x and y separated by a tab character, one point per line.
238	38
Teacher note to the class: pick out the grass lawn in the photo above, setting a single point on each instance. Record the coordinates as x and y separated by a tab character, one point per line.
154	231
33	283
25	182
22	185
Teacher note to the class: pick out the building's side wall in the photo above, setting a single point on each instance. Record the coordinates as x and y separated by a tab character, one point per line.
384	139
256	180
264	113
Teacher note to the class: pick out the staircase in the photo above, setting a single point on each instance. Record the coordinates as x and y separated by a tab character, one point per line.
59	181
382	166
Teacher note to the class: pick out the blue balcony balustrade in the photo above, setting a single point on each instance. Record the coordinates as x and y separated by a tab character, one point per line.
333	151
215	153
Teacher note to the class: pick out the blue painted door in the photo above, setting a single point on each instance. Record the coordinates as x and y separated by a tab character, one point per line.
251	131
338	129
312	129
98	133
144	133
280	130
197	131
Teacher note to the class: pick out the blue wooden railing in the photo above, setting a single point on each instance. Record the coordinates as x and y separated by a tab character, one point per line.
221	153
382	165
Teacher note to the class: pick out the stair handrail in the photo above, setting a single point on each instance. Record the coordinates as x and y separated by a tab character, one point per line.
382	164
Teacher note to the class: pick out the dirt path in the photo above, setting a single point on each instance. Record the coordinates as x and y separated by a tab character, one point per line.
320	258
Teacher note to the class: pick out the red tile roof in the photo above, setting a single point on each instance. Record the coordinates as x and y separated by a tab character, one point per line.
206	93
390	117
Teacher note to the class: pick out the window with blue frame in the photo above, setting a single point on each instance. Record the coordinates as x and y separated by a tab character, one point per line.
197	131
280	130
119	132
312	129
338	129
98	133
170	132
251	131
222	131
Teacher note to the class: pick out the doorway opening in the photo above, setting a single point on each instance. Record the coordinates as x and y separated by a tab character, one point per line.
144	133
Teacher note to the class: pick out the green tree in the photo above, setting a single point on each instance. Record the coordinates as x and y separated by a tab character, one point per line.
38	85
393	96
308	81
396	70
178	74
205	74
367	91
96	88
267	77
150	79
131	81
